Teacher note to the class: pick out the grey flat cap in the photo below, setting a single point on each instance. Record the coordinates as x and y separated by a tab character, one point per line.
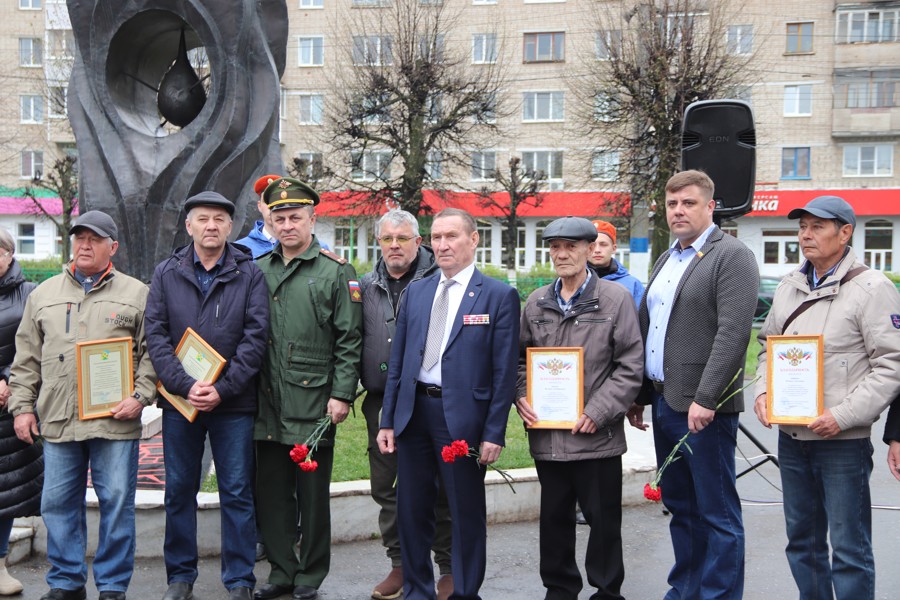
571	228
98	222
209	199
827	207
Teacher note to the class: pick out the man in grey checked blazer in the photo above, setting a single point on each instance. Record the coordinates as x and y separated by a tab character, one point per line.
695	318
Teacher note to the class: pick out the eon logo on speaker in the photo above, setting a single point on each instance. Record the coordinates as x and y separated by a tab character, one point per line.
718	139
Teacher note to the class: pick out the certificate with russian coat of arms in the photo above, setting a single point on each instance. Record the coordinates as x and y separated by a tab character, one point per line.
555	386
200	361
795	379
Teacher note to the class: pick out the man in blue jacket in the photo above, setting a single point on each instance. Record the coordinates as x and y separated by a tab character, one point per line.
606	267
261	238
216	289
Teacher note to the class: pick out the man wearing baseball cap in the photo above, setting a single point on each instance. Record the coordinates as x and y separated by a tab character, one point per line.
214	288
89	301
583	463
311	371
604	264
825	466
261	238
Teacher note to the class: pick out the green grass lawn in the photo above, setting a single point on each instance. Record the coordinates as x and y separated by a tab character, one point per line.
752	352
351	461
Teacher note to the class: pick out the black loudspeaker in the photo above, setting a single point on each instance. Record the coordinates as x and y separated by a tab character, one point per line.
718	137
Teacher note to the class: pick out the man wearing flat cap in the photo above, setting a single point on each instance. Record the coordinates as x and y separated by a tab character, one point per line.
826	465
89	301
261	238
583	463
214	288
310	372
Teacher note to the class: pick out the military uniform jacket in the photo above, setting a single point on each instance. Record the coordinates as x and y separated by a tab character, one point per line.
314	345
58	314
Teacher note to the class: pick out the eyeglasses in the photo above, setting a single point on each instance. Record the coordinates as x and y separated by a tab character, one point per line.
387	240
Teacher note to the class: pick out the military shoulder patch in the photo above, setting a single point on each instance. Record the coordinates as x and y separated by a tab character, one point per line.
333	256
895	321
355	292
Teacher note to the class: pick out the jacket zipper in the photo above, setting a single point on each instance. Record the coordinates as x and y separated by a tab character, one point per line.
68	315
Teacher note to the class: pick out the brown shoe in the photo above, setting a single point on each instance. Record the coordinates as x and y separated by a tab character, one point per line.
391	587
444	587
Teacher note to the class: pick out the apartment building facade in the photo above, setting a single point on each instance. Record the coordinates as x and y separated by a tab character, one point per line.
823	81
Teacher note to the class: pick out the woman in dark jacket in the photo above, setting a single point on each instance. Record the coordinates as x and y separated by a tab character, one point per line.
21	465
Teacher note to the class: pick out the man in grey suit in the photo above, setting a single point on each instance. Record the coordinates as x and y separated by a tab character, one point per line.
695	319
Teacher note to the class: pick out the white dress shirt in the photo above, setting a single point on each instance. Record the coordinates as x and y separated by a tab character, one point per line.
455	294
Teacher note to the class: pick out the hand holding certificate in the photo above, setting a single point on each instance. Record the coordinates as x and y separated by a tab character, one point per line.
200	361
795	379
555	386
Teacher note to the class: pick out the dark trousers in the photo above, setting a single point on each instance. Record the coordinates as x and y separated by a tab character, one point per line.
382	479
699	490
419	465
597	486
285	494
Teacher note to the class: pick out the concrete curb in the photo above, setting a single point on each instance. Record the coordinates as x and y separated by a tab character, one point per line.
354	514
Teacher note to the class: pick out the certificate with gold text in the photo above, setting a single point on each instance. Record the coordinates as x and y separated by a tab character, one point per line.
555	386
795	379
105	375
200	361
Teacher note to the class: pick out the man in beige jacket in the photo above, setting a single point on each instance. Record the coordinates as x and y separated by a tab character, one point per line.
89	301
825	466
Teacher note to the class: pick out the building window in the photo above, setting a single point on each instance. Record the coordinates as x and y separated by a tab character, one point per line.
32	109
485	243
484	48
542	106
872	160
312	4
605	165
433	164
25	238
58	100
677	27
312	51
608	43
743	92
370	165
795	163
873	26
605	108
546	163
372	50
434	106
31	52
345	234
431	48
797	100
879	245
30	4
61	43
371	110
740	39
32	164
780	247
868	93
799	38
545	47
309	166
311	109
484	166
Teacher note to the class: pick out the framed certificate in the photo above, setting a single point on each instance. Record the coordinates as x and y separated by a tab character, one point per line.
105	375
555	386
795	379
200	361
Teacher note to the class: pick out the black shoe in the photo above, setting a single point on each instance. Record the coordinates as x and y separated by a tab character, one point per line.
61	594
240	593
179	590
260	551
112	595
305	592
271	590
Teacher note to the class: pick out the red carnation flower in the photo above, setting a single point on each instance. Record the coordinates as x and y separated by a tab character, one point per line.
456	449
299	453
447	454
653	493
309	466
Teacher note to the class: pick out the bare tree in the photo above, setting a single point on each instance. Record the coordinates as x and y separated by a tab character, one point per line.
62	181
521	187
406	102
651	60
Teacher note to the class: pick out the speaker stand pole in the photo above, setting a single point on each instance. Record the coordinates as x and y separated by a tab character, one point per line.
763	449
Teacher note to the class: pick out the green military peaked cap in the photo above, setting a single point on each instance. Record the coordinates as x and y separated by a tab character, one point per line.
287	192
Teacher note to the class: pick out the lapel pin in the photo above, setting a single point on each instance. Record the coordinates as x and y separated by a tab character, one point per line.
471	294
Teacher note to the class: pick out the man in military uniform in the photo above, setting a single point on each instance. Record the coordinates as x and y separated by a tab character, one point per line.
310	371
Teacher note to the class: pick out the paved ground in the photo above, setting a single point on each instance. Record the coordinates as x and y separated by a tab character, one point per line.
512	568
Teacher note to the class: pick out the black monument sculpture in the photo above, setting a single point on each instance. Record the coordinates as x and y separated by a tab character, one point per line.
169	98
